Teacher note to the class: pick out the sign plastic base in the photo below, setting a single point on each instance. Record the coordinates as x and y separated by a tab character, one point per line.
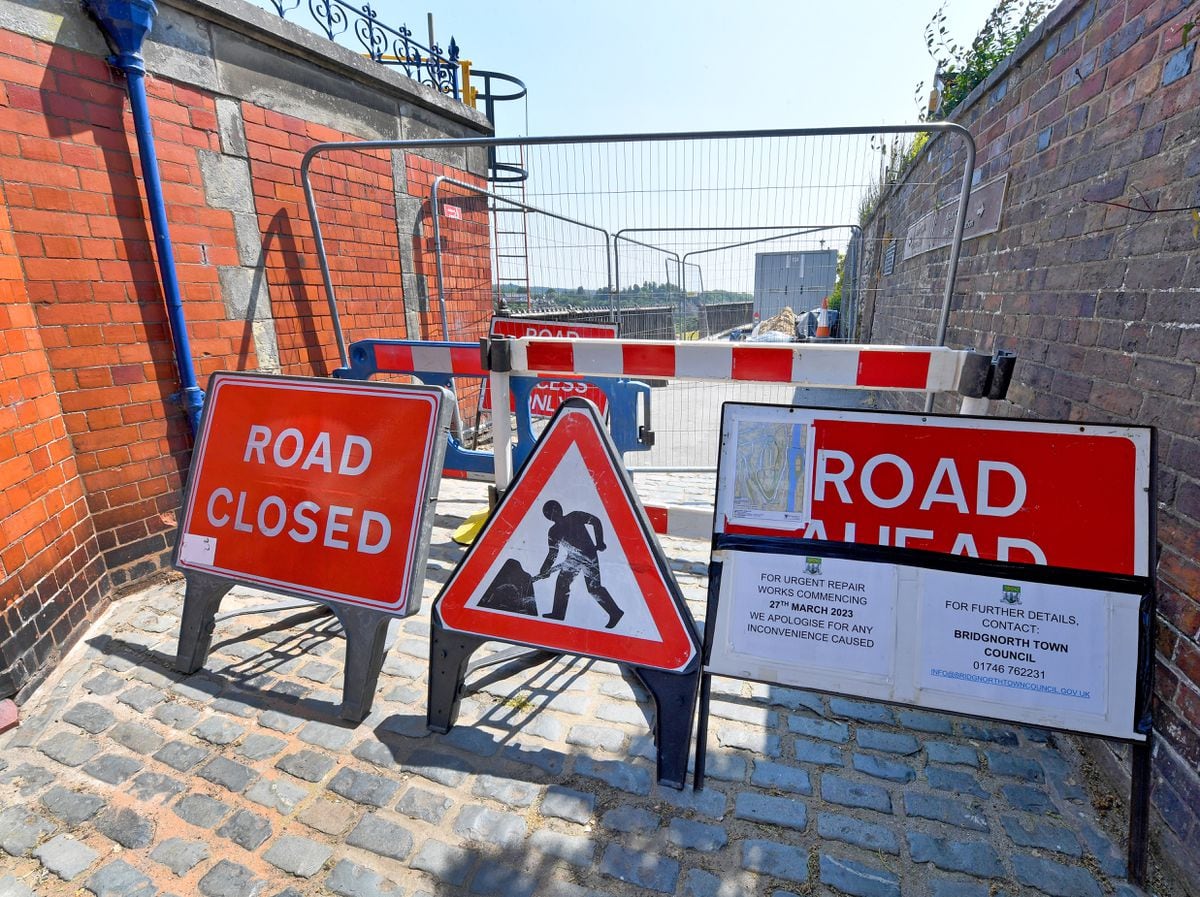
365	630
674	696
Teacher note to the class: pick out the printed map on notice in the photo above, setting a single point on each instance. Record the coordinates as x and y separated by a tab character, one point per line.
768	473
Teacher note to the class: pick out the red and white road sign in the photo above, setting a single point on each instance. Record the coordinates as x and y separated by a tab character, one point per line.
315	487
568	561
1058	494
549	394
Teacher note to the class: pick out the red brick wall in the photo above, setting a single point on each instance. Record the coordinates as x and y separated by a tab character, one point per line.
466	251
74	193
356	199
94	450
1099	302
355	195
51	573
466	263
98	452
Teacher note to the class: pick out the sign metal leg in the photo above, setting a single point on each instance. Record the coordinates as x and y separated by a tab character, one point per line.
1139	810
366	641
702	732
514	660
674	705
674	694
449	654
201	600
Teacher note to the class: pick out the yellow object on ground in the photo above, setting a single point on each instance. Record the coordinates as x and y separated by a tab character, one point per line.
469	528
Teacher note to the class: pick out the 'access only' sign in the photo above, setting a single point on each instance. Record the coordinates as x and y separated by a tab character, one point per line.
547	395
314	487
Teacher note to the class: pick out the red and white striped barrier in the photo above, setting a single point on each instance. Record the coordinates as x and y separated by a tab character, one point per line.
686	523
932	369
445	359
923	369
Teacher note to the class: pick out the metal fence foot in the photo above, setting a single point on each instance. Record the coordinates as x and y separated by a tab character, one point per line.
201	601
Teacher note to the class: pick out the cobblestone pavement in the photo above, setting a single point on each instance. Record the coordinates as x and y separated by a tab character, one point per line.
126	778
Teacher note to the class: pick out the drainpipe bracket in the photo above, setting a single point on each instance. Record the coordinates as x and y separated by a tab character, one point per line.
191	399
124	24
127	63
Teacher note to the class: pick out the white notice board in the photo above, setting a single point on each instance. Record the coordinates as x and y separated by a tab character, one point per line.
991	567
1013	649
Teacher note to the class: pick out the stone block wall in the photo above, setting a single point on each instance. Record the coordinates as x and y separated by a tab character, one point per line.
95	448
1093	280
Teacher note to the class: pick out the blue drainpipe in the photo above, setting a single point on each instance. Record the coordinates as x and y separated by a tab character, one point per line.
125	24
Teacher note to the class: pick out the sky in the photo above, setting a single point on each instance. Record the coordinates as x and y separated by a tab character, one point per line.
627	67
670	65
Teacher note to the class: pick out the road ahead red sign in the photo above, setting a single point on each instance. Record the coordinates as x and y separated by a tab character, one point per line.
315	487
549	394
1064	495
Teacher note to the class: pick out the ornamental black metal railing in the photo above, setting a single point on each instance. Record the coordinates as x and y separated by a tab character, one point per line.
383	43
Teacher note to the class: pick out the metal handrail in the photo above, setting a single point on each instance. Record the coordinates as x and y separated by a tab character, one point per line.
489	98
383	43
499	172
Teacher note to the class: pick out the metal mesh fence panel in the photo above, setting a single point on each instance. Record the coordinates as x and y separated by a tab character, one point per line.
679	236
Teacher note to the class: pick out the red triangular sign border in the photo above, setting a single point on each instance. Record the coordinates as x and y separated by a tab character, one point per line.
576	423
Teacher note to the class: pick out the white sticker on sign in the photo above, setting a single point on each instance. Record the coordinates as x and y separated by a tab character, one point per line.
991	639
814	612
195	549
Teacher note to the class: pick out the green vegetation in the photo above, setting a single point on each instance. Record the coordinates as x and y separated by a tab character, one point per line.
835	298
894	160
961	69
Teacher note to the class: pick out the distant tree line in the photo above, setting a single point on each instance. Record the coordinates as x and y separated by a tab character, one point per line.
636	295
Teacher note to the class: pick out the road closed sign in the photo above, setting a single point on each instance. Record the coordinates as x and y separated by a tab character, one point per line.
315	487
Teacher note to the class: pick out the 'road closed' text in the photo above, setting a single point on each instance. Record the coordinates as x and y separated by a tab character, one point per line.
336	526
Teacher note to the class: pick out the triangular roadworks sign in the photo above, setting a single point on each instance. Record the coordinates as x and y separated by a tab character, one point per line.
568	562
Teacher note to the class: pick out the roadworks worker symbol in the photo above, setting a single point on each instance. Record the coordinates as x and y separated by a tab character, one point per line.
569	562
